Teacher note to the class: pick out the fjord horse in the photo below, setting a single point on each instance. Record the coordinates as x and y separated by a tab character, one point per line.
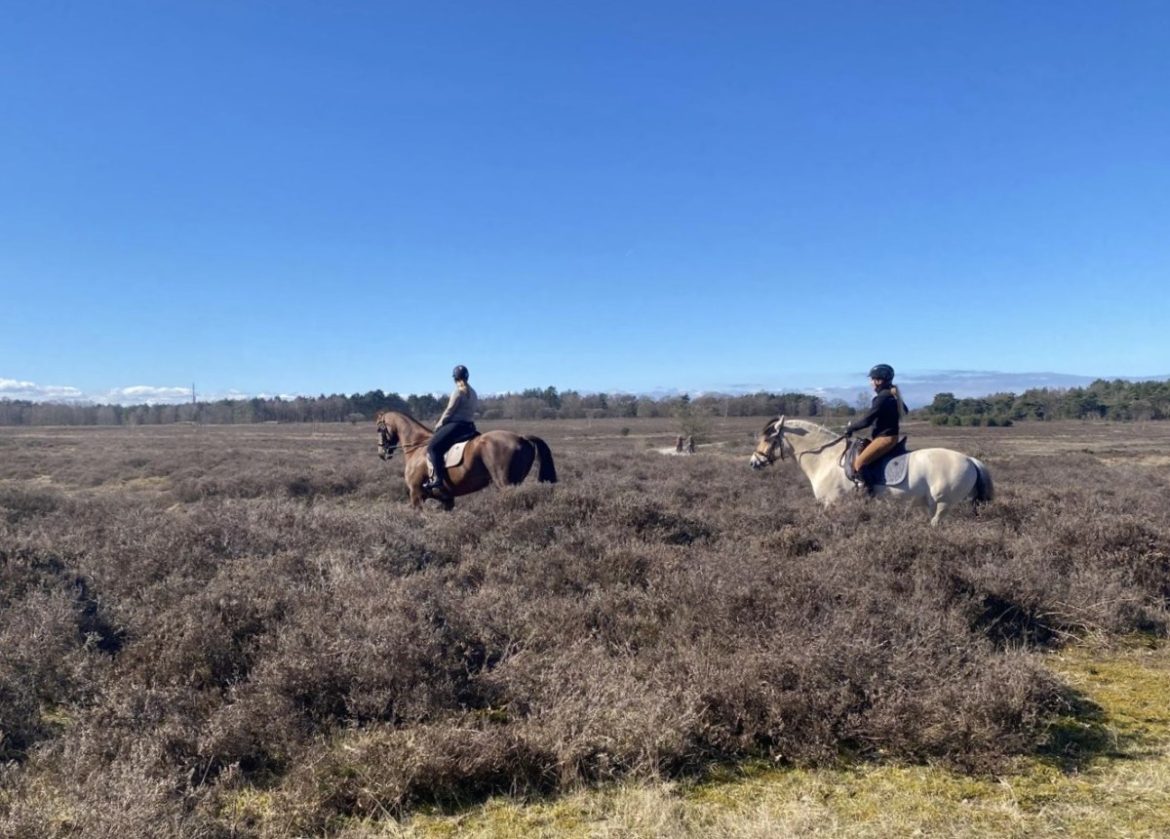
494	457
935	478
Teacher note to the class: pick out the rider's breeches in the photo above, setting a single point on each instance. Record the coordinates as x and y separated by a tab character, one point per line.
874	451
444	438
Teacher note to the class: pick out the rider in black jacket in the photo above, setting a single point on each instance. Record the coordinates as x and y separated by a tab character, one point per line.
884	415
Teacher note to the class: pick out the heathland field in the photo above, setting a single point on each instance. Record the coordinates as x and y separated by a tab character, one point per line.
245	631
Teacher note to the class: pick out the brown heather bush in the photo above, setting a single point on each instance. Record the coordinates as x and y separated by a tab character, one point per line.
246	632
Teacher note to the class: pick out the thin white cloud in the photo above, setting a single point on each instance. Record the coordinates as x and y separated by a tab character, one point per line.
145	395
18	389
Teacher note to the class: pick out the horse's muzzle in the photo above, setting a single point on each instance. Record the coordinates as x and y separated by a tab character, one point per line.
758	461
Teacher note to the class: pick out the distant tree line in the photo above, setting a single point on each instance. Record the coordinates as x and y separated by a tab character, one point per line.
1102	400
533	403
1108	400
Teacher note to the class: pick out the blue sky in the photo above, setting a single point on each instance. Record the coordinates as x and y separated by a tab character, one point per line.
280	198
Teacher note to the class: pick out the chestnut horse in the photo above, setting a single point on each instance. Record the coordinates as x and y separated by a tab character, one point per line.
494	457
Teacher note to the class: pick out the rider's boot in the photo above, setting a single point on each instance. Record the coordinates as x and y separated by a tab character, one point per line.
436	483
866	487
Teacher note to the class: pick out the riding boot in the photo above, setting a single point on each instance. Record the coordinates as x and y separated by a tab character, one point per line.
866	486
437	483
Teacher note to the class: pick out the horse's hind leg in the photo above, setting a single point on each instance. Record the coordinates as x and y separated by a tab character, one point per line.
499	473
516	468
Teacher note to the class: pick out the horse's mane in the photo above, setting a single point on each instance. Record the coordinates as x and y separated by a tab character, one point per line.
805	426
812	426
409	419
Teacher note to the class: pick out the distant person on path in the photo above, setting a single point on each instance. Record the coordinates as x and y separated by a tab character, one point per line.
884	415
455	424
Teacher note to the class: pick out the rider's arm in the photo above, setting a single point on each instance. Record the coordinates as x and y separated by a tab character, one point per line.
865	420
452	404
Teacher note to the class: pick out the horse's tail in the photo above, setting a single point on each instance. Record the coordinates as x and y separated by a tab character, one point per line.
548	471
984	487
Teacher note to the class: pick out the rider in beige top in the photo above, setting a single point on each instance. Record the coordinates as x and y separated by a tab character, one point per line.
455	424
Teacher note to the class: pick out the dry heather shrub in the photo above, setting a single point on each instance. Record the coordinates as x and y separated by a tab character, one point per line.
127	796
1077	558
382	772
50	645
324	648
41	656
18	503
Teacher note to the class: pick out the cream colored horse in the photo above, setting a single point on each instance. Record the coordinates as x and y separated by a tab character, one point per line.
936	479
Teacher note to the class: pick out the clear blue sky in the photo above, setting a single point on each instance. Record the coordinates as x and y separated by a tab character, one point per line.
293	197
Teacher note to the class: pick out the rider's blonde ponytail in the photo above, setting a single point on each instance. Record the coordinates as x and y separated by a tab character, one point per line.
898	396
462	385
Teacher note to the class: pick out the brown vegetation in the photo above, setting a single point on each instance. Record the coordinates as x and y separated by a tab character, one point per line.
191	616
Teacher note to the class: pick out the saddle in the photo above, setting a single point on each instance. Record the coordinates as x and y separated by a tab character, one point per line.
888	470
454	455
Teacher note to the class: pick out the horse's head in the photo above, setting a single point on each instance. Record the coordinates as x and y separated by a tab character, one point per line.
387	439
771	445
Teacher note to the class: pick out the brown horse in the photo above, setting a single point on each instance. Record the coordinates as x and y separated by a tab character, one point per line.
494	457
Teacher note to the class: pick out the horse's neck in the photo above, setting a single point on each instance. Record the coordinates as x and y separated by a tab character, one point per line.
813	436
813	450
410	430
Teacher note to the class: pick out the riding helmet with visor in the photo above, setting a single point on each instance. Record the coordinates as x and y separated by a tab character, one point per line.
884	372
459	373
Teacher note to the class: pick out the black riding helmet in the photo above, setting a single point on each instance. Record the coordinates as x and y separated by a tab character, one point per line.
459	373
882	371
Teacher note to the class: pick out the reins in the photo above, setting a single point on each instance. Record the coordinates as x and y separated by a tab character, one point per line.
798	455
408	446
820	449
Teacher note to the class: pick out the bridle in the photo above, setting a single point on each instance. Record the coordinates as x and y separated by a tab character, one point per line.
777	441
388	443
774	442
386	448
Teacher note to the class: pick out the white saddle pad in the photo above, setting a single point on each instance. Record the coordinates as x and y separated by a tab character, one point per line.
454	455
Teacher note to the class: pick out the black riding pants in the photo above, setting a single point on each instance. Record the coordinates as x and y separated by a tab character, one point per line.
444	438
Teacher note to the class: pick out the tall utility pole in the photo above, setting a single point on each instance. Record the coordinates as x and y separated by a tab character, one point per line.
192	393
